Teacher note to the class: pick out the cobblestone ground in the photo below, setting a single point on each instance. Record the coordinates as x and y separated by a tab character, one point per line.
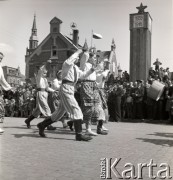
26	156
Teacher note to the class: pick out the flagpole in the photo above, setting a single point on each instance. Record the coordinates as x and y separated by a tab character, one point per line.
91	38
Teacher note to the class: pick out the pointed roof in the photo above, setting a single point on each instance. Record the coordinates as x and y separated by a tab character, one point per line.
55	20
113	43
34	30
85	46
34	23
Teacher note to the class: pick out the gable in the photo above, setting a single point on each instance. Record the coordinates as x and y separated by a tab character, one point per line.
55	20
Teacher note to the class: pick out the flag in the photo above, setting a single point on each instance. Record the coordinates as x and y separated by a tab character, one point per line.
97	36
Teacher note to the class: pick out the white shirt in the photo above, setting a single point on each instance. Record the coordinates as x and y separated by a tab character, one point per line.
68	68
41	80
3	82
85	66
101	78
56	84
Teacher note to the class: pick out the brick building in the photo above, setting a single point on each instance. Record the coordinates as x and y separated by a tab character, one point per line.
55	47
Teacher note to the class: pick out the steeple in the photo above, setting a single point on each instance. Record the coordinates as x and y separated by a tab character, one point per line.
33	41
34	29
113	46
85	46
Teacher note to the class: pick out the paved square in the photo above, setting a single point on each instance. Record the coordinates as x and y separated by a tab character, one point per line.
26	156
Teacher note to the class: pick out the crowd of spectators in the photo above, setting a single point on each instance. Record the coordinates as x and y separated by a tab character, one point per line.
130	100
19	103
125	99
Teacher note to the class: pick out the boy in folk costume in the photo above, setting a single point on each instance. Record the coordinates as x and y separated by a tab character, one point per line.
42	106
53	98
68	103
4	86
91	102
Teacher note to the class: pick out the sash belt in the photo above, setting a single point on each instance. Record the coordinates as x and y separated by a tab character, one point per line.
41	89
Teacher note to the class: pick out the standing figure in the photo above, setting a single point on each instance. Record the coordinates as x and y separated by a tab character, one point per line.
68	103
4	86
157	63
101	77
53	97
42	106
91	102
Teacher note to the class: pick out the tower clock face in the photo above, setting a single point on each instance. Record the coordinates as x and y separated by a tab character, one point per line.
138	21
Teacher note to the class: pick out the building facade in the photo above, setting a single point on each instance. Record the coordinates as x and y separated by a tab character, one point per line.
13	76
110	59
55	47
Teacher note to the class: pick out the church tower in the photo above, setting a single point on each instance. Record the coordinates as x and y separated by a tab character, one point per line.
140	44
33	41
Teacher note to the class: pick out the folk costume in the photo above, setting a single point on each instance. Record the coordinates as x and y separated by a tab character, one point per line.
91	102
5	86
54	98
68	103
101	77
43	88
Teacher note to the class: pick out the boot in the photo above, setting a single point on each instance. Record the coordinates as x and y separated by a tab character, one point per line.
70	124
50	127
28	120
42	125
78	130
99	128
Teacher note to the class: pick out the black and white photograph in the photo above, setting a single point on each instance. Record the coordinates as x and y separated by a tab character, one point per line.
86	89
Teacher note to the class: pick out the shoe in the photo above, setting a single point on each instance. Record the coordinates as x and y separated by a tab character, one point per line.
28	120
1	130
70	124
104	129
28	123
100	131
90	132
51	128
78	130
83	137
42	125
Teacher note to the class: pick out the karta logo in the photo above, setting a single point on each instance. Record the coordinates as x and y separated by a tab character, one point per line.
110	169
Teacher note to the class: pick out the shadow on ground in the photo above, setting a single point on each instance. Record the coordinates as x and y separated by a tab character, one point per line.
160	142
162	134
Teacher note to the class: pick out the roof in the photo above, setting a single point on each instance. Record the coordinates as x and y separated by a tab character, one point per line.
104	54
71	41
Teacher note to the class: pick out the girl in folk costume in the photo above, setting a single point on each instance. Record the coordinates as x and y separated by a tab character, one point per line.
90	98
5	86
42	106
68	103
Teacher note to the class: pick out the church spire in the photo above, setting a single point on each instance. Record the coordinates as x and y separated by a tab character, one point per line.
33	41
113	46
34	29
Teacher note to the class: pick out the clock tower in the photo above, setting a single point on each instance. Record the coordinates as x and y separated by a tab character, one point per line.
140	44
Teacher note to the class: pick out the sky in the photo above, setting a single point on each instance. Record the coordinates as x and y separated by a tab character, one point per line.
110	18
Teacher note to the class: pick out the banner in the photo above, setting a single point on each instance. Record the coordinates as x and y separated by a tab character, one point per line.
97	36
